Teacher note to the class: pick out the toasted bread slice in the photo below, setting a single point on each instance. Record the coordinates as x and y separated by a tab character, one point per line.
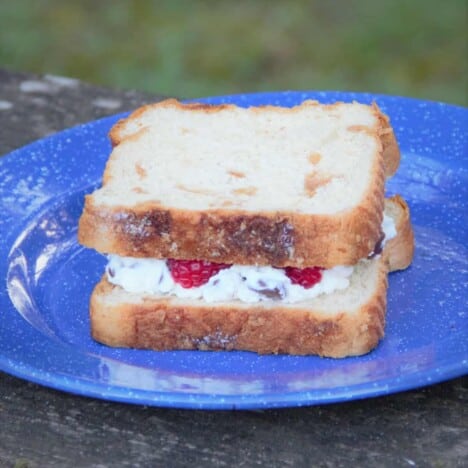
271	186
344	323
399	251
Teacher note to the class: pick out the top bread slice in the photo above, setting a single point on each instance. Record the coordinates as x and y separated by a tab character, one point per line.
264	185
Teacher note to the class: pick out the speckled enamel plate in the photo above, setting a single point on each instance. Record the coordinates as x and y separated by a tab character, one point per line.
48	277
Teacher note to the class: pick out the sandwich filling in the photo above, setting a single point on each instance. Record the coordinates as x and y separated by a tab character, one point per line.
225	283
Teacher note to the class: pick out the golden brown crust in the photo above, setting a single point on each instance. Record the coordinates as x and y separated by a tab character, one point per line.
391	151
399	251
234	236
115	133
165	324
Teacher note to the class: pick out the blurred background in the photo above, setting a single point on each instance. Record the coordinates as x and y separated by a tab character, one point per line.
187	48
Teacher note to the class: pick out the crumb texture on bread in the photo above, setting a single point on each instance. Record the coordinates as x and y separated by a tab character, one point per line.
274	186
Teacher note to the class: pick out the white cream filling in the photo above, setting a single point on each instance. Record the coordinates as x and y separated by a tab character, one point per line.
388	228
238	282
245	283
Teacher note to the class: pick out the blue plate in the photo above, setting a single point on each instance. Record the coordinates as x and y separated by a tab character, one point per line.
44	328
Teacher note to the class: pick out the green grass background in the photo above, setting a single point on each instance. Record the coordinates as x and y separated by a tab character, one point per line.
194	48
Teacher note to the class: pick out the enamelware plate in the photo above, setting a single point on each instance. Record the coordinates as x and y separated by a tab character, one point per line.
48	277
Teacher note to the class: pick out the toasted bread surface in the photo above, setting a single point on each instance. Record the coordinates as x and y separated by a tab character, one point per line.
301	186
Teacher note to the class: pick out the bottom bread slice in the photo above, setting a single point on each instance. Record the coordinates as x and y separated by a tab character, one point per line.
344	323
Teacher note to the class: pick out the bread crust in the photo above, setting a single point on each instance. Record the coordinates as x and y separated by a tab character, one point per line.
236	237
399	251
391	150
168	324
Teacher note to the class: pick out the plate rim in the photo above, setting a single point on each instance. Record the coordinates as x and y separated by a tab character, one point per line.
164	399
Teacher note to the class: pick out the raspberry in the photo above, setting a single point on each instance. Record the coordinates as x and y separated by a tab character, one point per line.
193	273
306	277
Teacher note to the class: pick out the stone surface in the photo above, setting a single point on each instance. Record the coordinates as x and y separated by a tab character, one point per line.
33	106
43	427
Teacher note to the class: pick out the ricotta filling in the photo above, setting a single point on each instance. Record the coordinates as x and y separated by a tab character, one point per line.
248	284
388	228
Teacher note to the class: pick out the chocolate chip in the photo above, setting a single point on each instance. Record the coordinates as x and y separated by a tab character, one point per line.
275	293
378	247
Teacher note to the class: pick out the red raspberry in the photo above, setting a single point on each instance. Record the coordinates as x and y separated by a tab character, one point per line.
193	273
306	277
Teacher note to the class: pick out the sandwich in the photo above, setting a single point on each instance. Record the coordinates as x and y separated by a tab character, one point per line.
262	229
